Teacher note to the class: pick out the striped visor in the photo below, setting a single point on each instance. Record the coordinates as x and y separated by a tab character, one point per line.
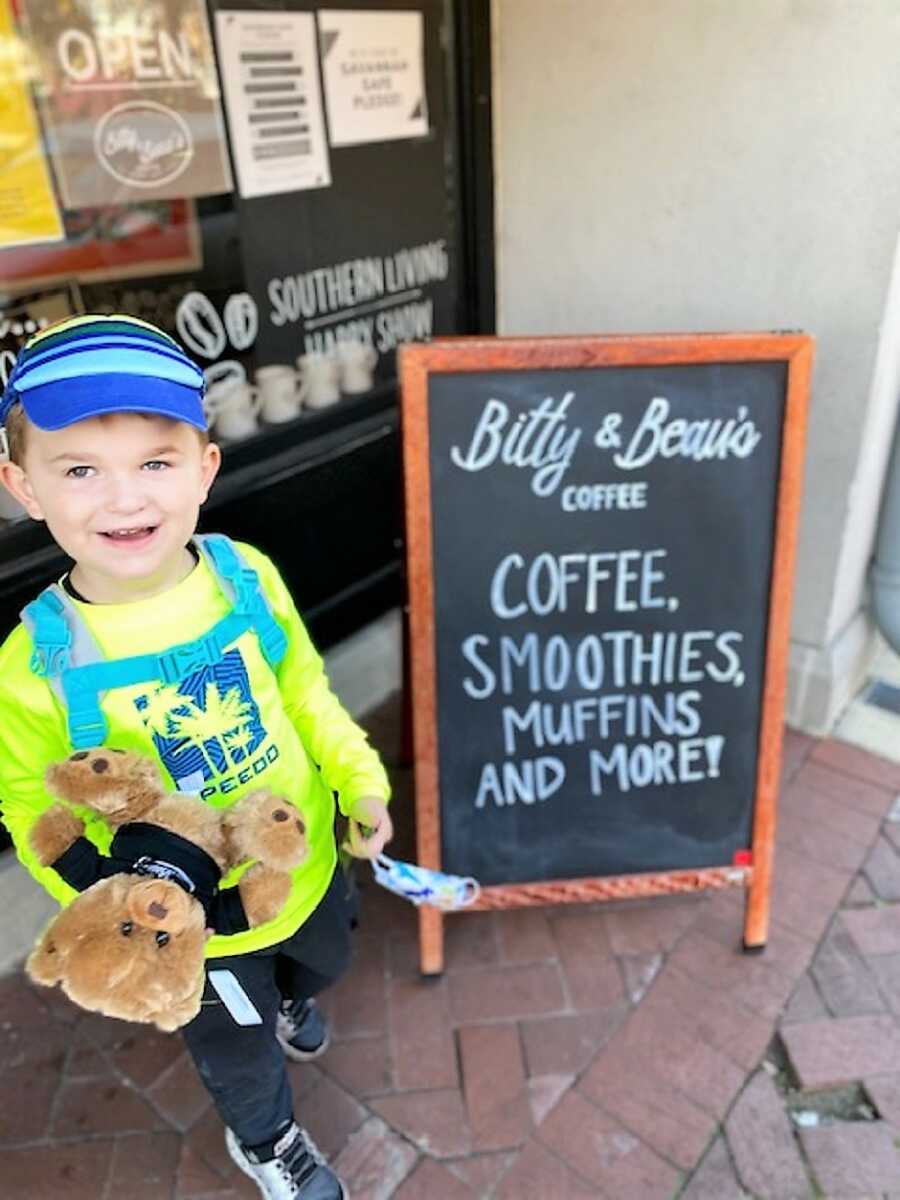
88	366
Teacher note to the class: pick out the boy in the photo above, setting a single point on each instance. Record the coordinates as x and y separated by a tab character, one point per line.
105	440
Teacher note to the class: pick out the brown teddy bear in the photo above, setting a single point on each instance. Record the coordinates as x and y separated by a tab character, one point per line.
131	945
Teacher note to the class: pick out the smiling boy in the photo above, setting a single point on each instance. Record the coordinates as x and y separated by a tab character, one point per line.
189	650
79	480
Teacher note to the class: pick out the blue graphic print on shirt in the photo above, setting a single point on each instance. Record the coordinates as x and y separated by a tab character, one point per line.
207	724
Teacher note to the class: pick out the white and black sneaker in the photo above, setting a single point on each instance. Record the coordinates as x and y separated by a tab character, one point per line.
292	1168
302	1030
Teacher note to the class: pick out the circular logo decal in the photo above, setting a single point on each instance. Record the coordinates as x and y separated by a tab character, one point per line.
143	144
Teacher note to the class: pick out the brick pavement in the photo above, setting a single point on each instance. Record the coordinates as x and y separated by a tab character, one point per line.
624	1051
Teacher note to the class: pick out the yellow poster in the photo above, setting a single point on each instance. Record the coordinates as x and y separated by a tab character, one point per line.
28	209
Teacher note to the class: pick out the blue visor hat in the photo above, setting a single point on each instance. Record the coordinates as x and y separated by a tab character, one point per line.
89	366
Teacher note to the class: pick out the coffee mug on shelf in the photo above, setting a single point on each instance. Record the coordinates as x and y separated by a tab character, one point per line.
320	374
211	406
234	410
281	393
357	362
220	378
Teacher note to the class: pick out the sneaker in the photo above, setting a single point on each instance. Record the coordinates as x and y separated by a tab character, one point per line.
293	1169
302	1030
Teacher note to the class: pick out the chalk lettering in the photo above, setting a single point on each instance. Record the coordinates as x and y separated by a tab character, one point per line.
701	440
615	659
600	718
689	760
550	580
526	782
537	440
594	497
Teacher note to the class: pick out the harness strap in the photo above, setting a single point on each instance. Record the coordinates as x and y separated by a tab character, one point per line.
46	621
61	639
80	674
58	634
241	584
83	686
139	848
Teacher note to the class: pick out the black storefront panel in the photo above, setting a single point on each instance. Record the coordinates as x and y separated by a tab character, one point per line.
380	255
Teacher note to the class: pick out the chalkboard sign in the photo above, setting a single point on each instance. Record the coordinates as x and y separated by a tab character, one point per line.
600	546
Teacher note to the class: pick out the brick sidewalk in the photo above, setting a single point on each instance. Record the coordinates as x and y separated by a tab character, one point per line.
627	1052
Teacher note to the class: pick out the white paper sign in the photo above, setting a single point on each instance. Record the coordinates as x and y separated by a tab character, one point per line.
273	101
373	64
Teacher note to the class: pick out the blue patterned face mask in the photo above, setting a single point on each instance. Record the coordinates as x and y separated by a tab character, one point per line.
421	886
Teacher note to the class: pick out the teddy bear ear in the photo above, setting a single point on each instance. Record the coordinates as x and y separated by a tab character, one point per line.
45	963
155	904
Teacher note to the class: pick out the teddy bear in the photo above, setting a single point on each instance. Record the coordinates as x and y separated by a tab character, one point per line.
131	945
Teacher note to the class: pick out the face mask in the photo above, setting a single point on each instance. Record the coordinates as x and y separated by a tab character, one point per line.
421	886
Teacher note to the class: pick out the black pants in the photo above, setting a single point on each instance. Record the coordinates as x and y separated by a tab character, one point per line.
243	1066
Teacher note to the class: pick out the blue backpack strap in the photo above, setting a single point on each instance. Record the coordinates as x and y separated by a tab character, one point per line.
46	621
171	665
66	654
74	666
87	724
63	646
241	585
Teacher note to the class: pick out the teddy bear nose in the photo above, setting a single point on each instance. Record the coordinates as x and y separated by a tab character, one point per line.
82	754
99	765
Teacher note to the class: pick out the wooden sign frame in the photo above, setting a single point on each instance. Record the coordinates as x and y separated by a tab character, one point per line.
417	363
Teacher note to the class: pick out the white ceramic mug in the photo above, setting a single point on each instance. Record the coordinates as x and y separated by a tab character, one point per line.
357	362
281	393
211	406
234	410
321	375
220	378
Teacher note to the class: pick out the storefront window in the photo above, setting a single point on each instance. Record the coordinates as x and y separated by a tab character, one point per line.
275	185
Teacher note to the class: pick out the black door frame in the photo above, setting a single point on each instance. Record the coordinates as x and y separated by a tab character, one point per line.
476	161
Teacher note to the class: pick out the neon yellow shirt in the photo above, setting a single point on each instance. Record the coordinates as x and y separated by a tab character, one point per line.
223	731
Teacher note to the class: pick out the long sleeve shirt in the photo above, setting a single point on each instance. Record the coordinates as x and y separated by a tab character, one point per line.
222	731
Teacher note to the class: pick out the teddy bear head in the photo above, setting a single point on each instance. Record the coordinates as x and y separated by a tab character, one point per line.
119	784
128	947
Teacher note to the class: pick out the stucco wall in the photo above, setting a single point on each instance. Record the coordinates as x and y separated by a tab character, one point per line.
714	165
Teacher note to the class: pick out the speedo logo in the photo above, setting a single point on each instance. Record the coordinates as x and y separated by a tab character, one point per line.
229	783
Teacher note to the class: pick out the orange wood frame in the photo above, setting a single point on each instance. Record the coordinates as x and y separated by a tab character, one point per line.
417	363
